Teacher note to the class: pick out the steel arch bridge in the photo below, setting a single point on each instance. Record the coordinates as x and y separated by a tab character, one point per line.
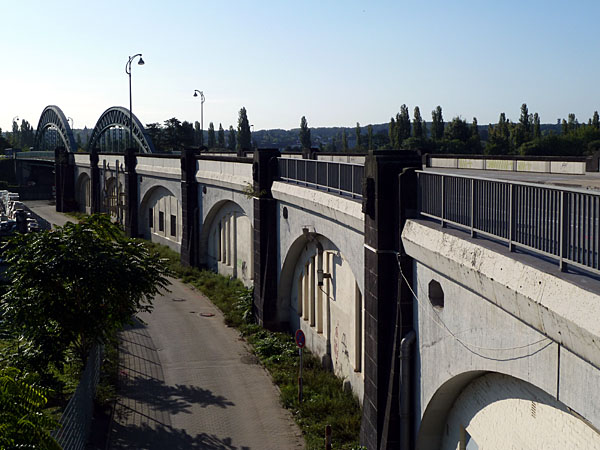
119	116
53	118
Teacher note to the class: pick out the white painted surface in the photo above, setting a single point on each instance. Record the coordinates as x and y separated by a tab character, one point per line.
233	175
166	167
471	163
533	166
503	413
500	164
573	167
82	159
451	163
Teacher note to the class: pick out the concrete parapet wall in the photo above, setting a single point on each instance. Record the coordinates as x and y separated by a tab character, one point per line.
572	168
165	167
82	159
232	175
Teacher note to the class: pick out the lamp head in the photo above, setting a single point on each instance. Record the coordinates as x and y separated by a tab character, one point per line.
195	94
141	61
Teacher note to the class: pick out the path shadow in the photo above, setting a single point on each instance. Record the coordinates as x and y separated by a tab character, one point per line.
165	437
172	399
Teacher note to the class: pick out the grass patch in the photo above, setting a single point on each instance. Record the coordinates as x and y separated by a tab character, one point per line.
325	401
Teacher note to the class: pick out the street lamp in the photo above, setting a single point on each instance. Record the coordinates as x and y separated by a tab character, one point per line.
128	72
196	92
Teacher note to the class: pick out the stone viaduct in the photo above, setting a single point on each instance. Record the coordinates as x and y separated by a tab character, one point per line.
462	311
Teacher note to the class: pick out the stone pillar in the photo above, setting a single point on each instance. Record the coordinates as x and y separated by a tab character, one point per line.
264	171
189	208
385	321
131	193
64	179
96	200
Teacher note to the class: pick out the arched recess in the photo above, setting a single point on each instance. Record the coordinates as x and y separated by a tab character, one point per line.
492	410
160	217
113	197
226	241
328	308
84	193
53	118
117	116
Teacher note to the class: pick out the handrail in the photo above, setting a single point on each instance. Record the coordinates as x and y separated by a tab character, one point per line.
553	221
344	179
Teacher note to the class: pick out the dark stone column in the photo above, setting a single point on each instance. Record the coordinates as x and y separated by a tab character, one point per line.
264	171
387	316
64	179
131	193
96	200
189	208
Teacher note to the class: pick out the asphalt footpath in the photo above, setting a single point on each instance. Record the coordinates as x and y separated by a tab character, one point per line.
187	381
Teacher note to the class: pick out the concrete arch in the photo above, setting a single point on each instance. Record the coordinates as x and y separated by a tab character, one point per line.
331	315
160	217
83	193
117	116
53	117
226	241
496	411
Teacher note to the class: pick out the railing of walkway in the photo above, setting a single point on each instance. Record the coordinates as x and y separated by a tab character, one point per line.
35	155
550	220
340	178
76	420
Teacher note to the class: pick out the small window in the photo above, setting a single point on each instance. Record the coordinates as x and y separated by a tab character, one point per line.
161	221
173	225
150	217
436	294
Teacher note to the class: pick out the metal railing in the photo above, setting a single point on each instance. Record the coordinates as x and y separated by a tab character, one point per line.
76	420
557	222
340	178
46	156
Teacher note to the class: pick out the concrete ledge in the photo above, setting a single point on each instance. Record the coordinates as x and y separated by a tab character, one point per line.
558	308
161	172
343	210
229	181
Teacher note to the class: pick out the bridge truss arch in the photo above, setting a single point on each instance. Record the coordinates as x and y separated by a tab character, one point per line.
53	118
117	116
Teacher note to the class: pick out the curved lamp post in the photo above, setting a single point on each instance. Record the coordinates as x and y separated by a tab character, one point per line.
128	72
196	92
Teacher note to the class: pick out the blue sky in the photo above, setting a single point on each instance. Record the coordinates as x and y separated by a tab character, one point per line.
337	63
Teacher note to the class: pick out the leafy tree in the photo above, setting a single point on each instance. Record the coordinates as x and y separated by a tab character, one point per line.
403	124
596	121
197	134
172	131
457	129
305	141
231	139
437	124
344	142
75	286
23	421
221	136
498	137
211	136
244	137
417	124
358	137
474	142
185	135
157	134
370	137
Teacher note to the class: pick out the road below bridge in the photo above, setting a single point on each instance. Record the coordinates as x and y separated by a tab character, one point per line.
188	381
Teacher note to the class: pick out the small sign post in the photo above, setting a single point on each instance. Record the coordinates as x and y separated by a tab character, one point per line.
300	342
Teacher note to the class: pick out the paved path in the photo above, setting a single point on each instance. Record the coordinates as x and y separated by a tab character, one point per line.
187	381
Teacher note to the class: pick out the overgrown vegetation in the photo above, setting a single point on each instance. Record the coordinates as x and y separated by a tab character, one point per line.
325	400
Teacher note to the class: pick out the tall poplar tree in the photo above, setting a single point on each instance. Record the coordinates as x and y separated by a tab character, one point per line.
358	137
537	131
244	137
221	136
437	124
596	121
370	137
393	134
305	140
417	124
231	141
344	142
211	136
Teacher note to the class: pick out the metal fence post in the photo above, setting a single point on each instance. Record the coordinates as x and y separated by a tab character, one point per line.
443	201
564	232
472	207
511	217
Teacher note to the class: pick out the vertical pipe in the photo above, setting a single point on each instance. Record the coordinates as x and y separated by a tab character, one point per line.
406	384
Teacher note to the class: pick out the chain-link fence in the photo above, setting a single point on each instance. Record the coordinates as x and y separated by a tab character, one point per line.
77	417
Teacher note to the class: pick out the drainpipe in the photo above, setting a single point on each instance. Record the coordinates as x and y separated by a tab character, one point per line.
406	382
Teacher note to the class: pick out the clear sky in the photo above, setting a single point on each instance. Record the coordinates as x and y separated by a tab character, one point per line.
335	62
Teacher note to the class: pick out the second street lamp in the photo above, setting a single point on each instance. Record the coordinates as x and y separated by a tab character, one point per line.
128	72
196	92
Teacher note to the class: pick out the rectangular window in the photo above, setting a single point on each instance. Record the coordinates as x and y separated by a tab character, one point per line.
173	225
161	221
150	217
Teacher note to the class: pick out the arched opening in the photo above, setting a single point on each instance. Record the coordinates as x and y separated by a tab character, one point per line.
496	411
160	218
319	294
436	294
84	193
227	241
